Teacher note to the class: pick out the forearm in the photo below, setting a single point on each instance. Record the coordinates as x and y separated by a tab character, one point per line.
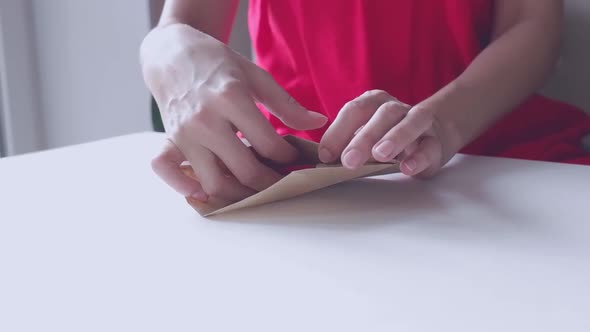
213	17
511	68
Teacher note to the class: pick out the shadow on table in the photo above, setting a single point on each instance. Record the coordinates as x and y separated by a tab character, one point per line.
474	203
398	200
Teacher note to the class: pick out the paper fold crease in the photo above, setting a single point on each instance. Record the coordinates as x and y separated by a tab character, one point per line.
297	182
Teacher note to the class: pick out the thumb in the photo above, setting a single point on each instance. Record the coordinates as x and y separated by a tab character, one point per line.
425	161
279	102
167	166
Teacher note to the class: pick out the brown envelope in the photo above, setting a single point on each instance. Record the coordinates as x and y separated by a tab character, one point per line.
297	182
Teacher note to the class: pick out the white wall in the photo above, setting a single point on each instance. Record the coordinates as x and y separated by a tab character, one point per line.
89	77
240	37
20	126
571	80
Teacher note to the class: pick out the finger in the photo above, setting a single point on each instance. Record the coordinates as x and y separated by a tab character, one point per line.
408	151
167	166
351	117
413	125
215	182
279	102
240	160
359	150
425	160
255	127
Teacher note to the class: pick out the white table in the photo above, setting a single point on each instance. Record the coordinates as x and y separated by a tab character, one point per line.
91	240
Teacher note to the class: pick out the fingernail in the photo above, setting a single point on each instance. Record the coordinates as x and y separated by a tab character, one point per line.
384	149
200	196
317	115
410	165
352	158
325	155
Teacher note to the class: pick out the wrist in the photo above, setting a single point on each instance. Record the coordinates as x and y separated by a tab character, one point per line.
167	57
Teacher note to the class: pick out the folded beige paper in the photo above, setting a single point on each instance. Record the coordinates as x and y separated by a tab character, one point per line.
297	182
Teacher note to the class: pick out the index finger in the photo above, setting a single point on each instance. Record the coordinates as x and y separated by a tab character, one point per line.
351	117
240	160
248	119
214	180
413	125
167	166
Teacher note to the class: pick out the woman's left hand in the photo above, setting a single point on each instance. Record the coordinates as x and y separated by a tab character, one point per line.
378	125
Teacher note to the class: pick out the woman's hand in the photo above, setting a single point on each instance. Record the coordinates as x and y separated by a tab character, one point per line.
206	93
378	125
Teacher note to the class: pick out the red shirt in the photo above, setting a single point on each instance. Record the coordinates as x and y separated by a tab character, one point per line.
328	52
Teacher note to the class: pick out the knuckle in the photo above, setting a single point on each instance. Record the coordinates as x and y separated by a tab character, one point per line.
419	124
410	128
230	89
402	134
423	110
251	177
202	121
202	117
189	123
393	110
232	72
366	138
422	117
158	163
379	94
215	186
182	134
353	108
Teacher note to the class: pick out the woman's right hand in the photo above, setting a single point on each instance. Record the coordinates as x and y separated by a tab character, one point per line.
206	93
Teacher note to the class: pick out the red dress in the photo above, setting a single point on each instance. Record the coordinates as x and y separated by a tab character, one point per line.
327	52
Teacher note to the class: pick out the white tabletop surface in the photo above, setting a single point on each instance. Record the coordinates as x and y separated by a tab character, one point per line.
91	240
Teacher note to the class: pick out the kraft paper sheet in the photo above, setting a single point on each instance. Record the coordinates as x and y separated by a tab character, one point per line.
297	182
